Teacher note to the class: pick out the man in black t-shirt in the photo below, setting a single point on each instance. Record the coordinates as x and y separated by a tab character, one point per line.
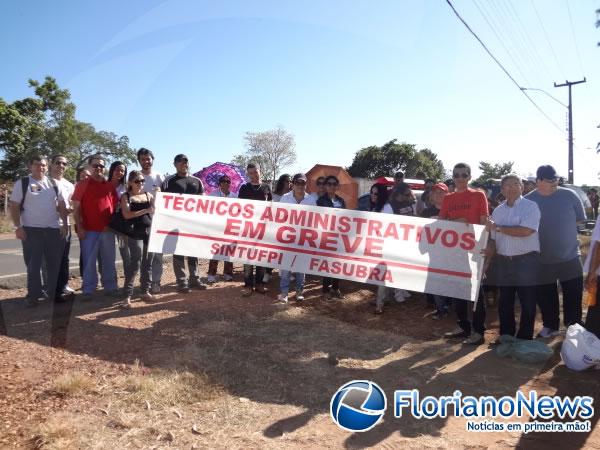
254	190
184	183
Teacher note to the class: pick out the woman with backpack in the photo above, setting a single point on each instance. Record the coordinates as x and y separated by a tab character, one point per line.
137	208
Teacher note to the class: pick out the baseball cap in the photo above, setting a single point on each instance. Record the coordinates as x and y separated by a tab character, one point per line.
298	177
180	157
546	173
440	186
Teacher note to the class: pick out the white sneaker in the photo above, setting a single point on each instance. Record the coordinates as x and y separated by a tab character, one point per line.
405	293
282	298
211	279
399	295
548	333
147	296
266	278
67	290
299	296
474	339
127	303
227	277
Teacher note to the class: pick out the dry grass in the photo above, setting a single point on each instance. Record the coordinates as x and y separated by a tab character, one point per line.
55	434
73	384
5	224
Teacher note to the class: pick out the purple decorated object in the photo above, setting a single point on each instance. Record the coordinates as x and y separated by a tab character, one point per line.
210	176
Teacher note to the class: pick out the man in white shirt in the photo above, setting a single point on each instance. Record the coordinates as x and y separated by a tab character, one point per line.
152	183
37	207
514	229
57	172
297	196
213	264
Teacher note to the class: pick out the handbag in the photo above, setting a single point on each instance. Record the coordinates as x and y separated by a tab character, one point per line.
119	224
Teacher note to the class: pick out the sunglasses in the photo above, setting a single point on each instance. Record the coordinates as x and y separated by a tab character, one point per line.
225	181
330	183
300	182
98	166
460	175
184	160
320	183
60	163
551	180
138	181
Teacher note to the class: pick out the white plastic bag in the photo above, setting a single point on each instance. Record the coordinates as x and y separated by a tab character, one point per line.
580	349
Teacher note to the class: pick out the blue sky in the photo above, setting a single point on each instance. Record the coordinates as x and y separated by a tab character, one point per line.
193	76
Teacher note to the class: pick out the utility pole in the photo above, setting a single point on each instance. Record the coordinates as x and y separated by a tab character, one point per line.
570	108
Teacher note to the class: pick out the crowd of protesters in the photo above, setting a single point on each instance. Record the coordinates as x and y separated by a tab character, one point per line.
533	243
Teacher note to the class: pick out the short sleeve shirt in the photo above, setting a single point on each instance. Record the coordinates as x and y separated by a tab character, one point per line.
289	198
523	213
560	213
469	205
153	182
41	202
67	189
183	185
98	201
219	193
255	192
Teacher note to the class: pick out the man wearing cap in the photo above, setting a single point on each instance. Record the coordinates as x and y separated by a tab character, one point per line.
561	210
184	183
297	196
223	191
514	235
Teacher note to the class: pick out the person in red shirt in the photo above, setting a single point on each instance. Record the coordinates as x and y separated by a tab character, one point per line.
94	202
468	206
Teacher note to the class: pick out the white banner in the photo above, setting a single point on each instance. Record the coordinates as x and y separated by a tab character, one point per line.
424	255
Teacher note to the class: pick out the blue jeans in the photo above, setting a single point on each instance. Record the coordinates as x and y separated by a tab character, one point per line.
95	243
284	281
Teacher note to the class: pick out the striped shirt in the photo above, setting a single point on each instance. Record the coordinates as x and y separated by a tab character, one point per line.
523	213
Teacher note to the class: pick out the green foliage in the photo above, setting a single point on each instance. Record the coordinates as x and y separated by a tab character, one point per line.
372	162
46	125
493	171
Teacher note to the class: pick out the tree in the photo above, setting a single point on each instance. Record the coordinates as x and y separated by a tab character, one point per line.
372	162
273	150
46	125
493	171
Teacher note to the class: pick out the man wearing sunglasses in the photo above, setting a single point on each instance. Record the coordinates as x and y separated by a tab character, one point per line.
561	210
184	183
94	202
320	188
57	172
223	191
468	206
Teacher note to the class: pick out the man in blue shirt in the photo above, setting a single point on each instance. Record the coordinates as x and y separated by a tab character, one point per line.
561	210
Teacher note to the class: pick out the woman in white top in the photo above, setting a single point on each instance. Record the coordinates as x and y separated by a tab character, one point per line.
282	187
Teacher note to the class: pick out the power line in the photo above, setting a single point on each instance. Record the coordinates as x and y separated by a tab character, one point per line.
493	28
501	66
548	40
574	38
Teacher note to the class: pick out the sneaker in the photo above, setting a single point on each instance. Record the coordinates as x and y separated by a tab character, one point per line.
127	303
68	290
261	289
247	292
299	296
379	310
155	288
439	315
198	285
146	295
184	290
211	279
548	333
456	333
282	298
474	339
228	277
400	295
336	294
266	278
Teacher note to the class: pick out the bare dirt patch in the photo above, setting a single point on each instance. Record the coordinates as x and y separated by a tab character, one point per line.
214	370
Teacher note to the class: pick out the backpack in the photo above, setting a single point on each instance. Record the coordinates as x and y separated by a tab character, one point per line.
25	186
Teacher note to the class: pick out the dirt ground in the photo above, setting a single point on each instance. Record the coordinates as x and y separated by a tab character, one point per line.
211	369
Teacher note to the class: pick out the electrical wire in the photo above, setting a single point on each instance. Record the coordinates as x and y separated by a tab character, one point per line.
506	72
558	65
574	38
